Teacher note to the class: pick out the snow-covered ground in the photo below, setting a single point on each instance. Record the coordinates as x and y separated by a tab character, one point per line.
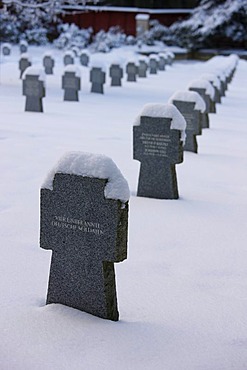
182	292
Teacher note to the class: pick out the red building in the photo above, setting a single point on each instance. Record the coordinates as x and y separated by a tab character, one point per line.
104	17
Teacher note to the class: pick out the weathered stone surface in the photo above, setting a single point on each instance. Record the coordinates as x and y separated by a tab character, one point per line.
142	69
48	63
34	91
6	50
193	127
97	77
158	148
87	234
206	98
162	63
24	63
68	59
23	47
84	59
153	66
71	84
132	71
116	74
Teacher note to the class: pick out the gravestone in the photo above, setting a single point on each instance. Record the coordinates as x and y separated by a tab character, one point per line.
84	59
215	81
24	63
116	74
159	148
33	89
142	68
68	58
162	62
202	91
86	229
6	49
71	84
131	70
153	64
193	126
23	47
97	78
48	63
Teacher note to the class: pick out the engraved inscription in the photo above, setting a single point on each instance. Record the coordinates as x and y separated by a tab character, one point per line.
84	226
189	120
155	144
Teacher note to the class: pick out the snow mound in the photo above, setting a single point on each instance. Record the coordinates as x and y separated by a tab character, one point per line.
48	53
203	84
25	56
35	71
154	56
164	111
73	68
92	165
189	96
98	63
213	78
70	53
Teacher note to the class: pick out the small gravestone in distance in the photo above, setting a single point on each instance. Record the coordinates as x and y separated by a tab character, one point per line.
84	221
143	67
71	83
162	62
116	74
131	70
24	63
190	104
34	89
206	90
153	64
23	47
6	49
97	78
159	133
169	57
68	58
215	81
84	58
48	63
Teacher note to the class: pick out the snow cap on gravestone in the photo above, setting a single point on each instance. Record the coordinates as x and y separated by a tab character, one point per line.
25	56
189	96
97	63
203	84
35	71
73	68
48	53
92	165
164	111
211	77
154	56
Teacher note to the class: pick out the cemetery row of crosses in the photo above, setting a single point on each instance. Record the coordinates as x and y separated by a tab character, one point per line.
86	239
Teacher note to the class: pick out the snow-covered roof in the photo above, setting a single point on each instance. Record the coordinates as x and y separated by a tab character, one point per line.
35	71
203	84
142	17
127	9
92	165
189	96
164	111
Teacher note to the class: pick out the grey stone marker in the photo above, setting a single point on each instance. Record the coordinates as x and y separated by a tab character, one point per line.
34	90
48	63
116	74
84	59
97	78
24	63
131	70
6	49
142	68
23	47
153	64
162	62
193	126
158	148
87	233
68	58
71	84
206	98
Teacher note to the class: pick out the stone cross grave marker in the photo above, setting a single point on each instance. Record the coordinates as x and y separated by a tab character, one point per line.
205	97
158	148
162	62
87	233
142	69
68	58
131	70
153	64
193	126
97	78
84	59
48	63
34	90
24	63
116	74
71	84
6	49
23	47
